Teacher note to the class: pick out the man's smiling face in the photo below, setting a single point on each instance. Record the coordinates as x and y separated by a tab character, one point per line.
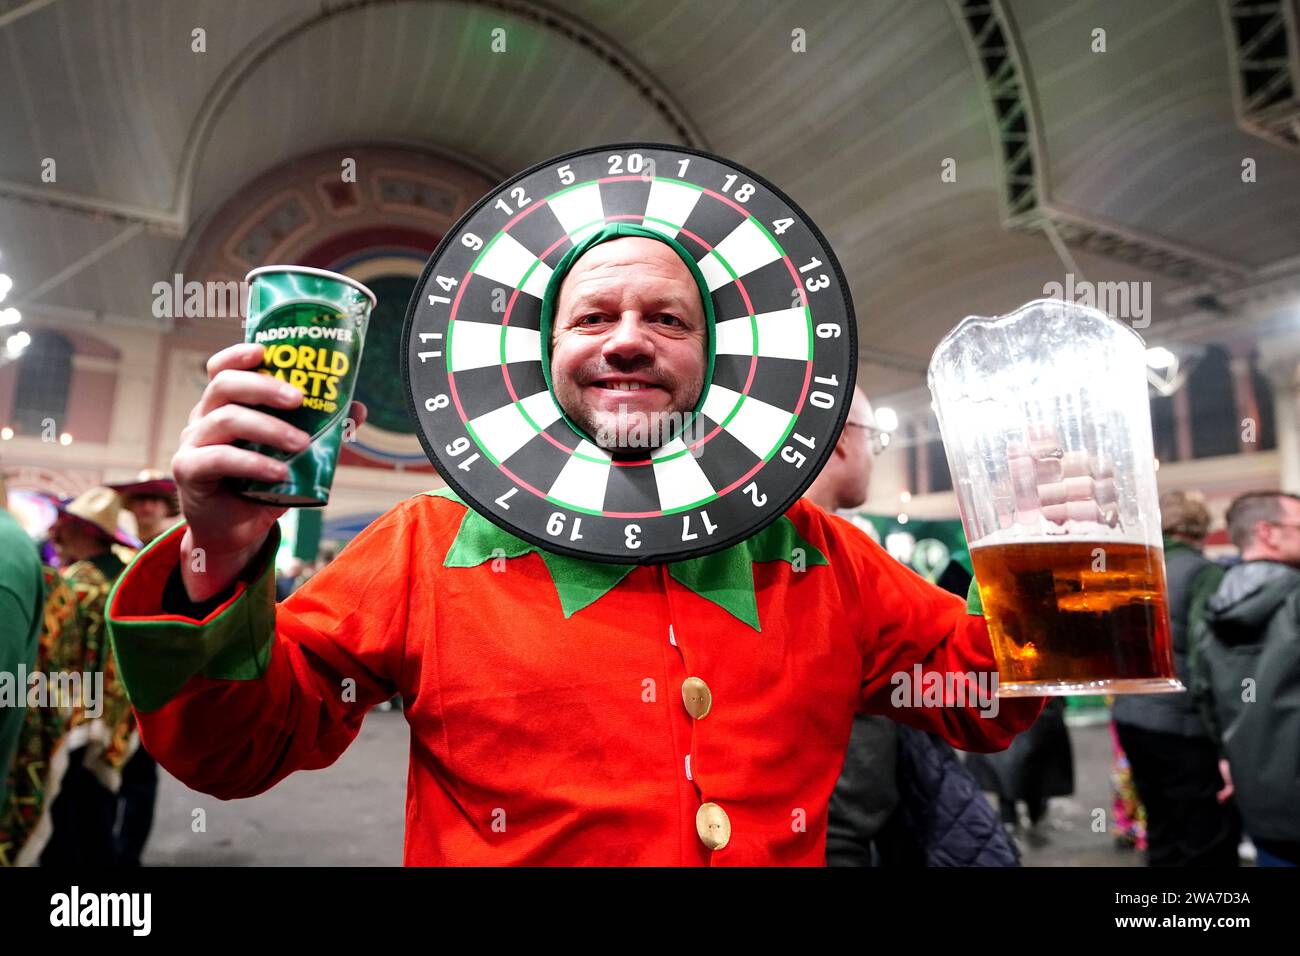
629	341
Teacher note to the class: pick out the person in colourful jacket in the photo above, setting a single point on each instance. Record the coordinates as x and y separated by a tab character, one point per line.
562	711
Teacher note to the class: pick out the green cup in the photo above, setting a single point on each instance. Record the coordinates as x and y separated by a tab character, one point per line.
311	324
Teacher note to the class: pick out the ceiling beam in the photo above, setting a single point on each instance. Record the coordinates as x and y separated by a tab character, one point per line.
73	268
17	13
997	56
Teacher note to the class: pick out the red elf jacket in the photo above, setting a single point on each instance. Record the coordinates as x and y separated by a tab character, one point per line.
563	711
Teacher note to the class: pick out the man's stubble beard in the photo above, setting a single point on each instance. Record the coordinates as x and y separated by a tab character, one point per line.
622	430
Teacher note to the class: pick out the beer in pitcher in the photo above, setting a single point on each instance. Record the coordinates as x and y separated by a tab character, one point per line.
1047	429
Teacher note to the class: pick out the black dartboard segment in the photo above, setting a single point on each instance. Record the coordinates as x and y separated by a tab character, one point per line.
785	346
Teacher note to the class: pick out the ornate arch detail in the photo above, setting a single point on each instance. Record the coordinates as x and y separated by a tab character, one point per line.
176	219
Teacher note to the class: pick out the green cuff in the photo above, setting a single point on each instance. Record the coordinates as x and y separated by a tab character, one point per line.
158	652
974	603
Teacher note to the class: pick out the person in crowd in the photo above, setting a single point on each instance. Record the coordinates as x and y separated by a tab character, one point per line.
1246	672
84	814
152	500
1174	761
1037	766
286	582
41	757
22	595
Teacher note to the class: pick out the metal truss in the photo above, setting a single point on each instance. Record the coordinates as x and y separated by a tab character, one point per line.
996	52
991	42
1264	53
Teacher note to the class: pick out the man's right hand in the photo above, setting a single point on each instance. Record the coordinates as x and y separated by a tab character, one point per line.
225	529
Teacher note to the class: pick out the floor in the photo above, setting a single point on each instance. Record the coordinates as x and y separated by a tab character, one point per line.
352	813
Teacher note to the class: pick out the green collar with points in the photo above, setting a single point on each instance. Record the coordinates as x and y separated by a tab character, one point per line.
725	577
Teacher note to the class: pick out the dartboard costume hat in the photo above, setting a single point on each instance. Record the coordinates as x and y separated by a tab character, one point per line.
781	344
605	658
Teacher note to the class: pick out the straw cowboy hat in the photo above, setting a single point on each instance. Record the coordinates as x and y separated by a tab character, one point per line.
99	508
152	483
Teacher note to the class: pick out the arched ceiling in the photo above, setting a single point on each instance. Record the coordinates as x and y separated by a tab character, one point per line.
150	137
1144	134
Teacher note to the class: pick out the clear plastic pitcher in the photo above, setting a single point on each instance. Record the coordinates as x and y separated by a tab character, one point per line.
1047	427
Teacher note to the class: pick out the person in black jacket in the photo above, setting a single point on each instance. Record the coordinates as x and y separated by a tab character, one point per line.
1175	763
905	799
153	501
1247	671
1037	766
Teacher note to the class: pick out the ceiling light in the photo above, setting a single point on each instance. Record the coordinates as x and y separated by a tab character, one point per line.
15	344
1161	357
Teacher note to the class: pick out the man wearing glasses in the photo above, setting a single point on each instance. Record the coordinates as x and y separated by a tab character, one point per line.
877	439
1247	671
844	480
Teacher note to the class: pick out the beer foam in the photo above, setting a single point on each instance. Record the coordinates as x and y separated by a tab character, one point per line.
1070	532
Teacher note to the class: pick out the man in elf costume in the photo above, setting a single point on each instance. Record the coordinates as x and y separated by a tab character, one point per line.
562	710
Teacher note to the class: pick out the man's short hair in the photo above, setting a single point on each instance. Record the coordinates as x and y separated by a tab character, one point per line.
1185	515
1250	509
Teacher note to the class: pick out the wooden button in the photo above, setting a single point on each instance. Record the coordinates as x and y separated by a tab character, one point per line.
712	825
697	697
